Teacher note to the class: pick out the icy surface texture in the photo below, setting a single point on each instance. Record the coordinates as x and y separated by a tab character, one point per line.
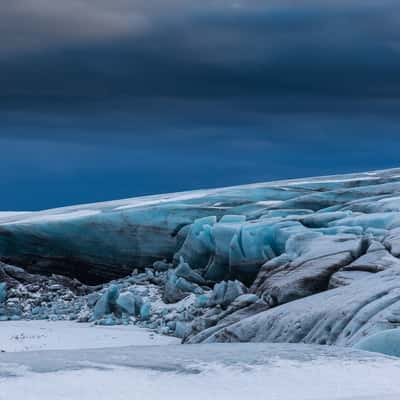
31	296
230	232
3	291
224	293
385	342
192	360
136	299
223	372
107	303
341	316
309	260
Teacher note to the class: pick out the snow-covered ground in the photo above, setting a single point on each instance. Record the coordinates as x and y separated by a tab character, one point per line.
217	371
64	335
284	381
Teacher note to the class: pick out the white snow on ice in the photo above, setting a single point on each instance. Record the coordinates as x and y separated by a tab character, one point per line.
196	194
7	214
56	217
284	380
67	335
326	378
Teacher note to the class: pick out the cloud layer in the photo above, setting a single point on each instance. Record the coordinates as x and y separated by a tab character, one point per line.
102	99
54	50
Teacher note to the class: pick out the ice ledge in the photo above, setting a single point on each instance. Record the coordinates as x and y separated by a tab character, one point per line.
101	241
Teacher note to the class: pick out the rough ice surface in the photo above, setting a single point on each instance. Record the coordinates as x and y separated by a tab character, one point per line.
107	302
341	316
127	303
3	291
227	231
308	260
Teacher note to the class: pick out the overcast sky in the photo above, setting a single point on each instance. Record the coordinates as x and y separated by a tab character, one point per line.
104	99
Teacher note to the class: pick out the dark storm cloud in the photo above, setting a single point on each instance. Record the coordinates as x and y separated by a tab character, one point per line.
284	54
104	99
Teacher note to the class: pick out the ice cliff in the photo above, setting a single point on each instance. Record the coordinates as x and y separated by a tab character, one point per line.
308	260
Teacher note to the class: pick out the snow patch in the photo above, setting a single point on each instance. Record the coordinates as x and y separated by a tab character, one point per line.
16	336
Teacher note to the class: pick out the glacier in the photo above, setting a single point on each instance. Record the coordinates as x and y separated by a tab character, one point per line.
230	230
312	260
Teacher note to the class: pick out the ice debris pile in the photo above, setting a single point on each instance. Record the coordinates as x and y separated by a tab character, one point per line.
31	296
142	298
309	260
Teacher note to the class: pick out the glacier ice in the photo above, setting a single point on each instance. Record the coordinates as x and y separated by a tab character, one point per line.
145	311
184	271
341	316
127	303
227	231
177	288
385	342
225	292
3	291
313	260
107	303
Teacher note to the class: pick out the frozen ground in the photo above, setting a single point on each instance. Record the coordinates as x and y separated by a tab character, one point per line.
328	381
216	371
65	335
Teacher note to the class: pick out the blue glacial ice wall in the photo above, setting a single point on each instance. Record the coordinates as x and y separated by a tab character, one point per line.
310	260
255	232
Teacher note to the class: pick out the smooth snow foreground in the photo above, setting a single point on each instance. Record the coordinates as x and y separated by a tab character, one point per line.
319	381
217	371
65	335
